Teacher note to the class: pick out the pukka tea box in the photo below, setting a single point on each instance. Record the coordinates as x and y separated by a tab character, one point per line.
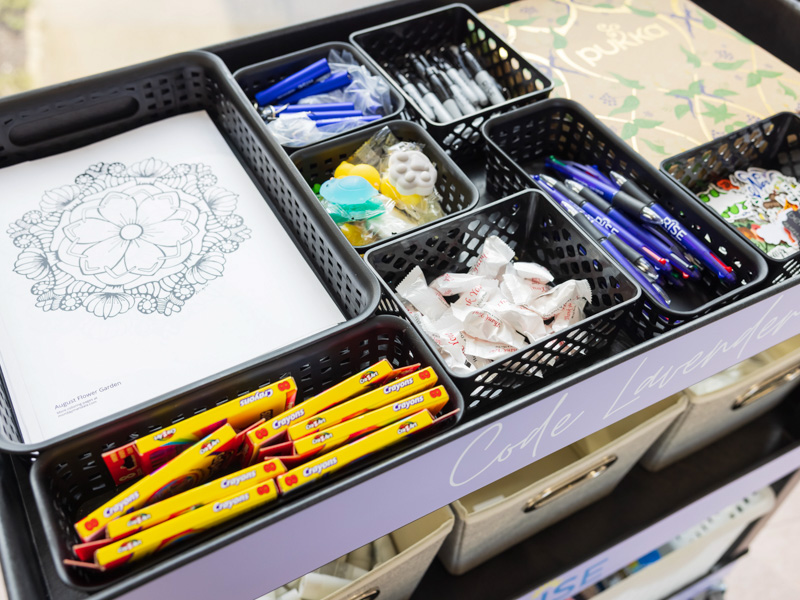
148	453
344	455
152	515
432	400
387	394
156	538
270	432
196	465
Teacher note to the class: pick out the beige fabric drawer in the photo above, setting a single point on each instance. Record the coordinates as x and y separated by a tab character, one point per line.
728	400
512	509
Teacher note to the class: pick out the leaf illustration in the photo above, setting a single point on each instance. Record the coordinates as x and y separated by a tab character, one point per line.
647	123
691	57
631	83
740	37
604	5
753	79
693	90
521	22
655	147
708	22
718	113
787	90
729	66
562	20
770	74
681	110
559	41
629	130
557	82
724	92
630	103
641	12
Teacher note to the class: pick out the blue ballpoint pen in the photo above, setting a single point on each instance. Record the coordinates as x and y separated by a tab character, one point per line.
637	260
652	288
590	170
685	237
618	198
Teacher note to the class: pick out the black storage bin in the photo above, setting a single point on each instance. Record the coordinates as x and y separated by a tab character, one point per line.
519	143
259	76
387	45
317	164
773	143
538	231
61	118
72	479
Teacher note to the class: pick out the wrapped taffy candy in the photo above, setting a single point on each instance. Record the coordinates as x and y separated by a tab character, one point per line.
495	309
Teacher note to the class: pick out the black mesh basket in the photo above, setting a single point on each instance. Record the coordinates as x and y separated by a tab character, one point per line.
254	78
773	143
317	164
455	24
520	141
538	231
72	480
62	118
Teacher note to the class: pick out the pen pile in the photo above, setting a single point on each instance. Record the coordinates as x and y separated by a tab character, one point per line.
762	205
386	187
251	451
651	245
329	96
447	84
501	306
337	574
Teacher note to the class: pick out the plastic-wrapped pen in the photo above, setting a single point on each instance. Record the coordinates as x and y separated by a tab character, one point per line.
413	92
632	206
334	82
482	76
362	119
302	78
274	111
685	238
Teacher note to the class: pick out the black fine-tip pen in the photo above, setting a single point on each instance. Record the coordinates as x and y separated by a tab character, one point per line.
454	76
482	76
483	99
414	94
440	112
464	105
441	91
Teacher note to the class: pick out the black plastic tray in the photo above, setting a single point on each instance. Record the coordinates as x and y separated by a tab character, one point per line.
387	45
71	481
256	77
773	143
520	141
539	231
61	118
317	164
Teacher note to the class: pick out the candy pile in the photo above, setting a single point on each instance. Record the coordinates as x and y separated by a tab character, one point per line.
502	306
762	205
386	187
335	575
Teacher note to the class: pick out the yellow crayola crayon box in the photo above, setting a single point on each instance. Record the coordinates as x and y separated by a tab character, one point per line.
352	386
194	466
431	400
151	540
336	459
389	393
152	515
148	453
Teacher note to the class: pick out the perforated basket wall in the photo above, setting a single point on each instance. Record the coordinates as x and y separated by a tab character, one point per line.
72	480
387	45
259	76
520	141
62	118
773	143
317	164
538	231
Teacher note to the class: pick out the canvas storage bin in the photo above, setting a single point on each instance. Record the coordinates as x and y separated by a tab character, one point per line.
495	517
728	400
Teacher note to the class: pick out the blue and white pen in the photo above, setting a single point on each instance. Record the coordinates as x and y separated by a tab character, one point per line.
302	78
685	238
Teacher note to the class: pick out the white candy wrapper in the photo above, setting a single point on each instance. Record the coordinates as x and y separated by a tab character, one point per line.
485	324
451	284
494	255
569	315
534	271
520	290
414	290
478	295
550	304
486	352
523	319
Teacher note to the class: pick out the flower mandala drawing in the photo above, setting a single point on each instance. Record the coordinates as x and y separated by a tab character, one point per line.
145	236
